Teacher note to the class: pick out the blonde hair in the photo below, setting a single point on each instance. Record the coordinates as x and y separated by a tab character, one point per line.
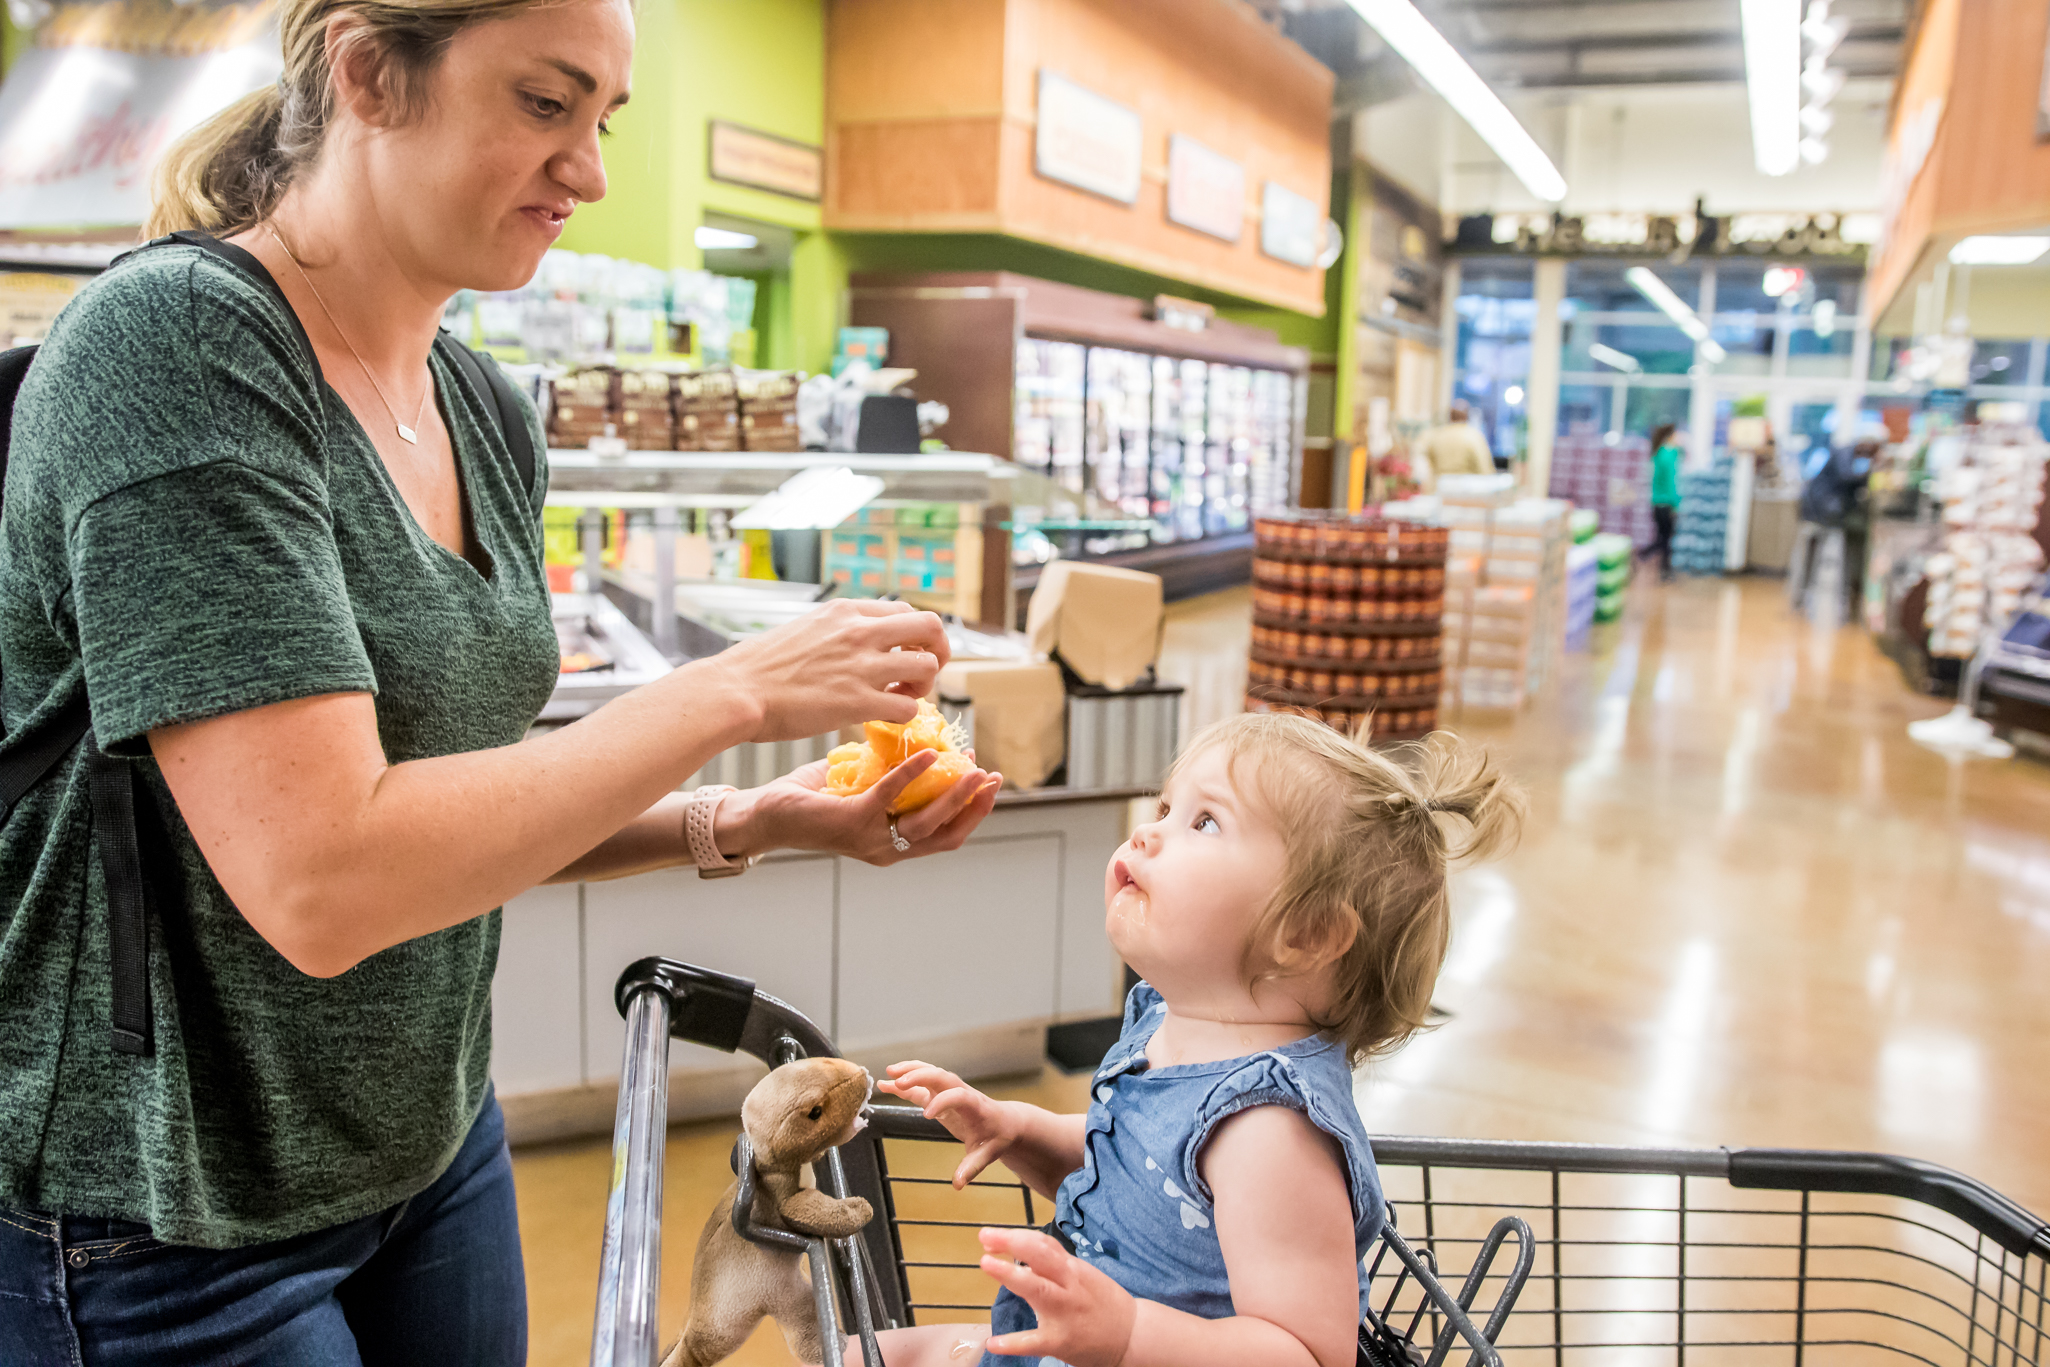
228	173
1369	835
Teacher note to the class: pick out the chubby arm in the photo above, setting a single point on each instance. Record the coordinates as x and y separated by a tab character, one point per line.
332	853
1039	1145
1284	1222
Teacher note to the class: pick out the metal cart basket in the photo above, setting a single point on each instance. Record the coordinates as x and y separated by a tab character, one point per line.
1622	1255
919	1254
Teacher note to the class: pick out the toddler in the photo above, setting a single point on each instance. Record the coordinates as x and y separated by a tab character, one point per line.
1286	908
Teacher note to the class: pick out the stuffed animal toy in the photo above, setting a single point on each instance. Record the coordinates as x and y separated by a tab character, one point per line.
791	1118
856	767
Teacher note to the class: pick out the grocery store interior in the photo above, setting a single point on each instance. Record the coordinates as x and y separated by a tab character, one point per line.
1653	392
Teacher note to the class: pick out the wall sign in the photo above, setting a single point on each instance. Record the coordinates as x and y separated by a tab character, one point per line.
1087	141
1290	226
107	87
763	161
1206	190
1837	236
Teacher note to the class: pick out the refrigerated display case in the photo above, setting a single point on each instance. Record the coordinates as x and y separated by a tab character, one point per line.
1195	431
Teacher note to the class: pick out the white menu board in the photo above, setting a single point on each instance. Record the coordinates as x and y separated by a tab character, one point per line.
1086	141
1206	190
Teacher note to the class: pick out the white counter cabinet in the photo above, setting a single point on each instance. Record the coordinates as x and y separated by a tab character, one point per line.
961	958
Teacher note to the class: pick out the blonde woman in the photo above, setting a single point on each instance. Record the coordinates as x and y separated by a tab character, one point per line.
304	594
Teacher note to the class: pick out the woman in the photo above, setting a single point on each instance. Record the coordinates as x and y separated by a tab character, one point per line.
316	614
1665	494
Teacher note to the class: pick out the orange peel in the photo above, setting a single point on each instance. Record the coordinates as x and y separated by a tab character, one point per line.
856	767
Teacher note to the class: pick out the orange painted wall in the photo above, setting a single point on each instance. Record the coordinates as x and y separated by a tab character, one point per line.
1987	171
930	108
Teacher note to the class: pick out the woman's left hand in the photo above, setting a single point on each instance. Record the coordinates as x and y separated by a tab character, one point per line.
795	812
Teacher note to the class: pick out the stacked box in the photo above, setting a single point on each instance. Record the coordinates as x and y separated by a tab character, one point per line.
582	404
1704	518
1992	501
768	411
1612	481
1583	578
1497	635
920	550
707	412
1614	558
1346	621
647	415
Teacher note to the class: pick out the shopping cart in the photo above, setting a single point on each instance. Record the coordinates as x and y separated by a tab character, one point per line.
1623	1255
920	1253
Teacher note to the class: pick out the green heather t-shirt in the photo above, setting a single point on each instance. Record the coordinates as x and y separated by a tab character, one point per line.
199	524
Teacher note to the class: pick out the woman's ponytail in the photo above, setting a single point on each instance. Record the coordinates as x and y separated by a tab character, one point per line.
224	175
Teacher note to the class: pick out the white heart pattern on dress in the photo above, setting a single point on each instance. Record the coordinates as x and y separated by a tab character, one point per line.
1103	1095
1171	1189
1193	1218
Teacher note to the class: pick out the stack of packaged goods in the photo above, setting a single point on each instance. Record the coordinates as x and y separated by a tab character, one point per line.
768	410
582	405
1583	586
1347	621
1704	518
707	412
647	416
1614	556
1613	481
1992	502
927	553
1497	630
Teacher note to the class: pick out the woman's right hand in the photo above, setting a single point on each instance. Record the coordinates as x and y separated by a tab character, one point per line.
986	1127
851	661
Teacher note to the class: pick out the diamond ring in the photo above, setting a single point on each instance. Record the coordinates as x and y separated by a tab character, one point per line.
899	842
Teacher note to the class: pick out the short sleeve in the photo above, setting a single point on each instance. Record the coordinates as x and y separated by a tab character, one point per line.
207	591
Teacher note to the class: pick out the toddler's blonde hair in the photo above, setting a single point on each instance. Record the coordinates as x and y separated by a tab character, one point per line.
1369	835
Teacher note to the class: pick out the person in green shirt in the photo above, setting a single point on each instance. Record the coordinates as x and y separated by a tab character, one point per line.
1665	495
305	597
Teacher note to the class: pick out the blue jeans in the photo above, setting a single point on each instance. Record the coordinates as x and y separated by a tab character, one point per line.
436	1279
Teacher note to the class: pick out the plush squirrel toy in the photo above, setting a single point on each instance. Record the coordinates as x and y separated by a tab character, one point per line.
791	1118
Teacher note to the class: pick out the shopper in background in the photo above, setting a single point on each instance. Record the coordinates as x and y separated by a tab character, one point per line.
315	617
1665	495
1456	447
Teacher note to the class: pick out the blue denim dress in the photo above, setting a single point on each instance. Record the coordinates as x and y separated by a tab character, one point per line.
1138	1208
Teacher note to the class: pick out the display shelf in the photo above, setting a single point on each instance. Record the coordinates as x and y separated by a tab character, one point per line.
1283	623
1332	698
1320	610
1291	556
1284	660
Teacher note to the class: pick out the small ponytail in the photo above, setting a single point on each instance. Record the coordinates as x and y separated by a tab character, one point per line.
1370	834
226	174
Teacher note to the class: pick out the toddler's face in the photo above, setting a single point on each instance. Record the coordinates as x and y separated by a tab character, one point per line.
1182	894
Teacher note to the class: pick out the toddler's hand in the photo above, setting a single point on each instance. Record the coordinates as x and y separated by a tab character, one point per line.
987	1128
1085	1318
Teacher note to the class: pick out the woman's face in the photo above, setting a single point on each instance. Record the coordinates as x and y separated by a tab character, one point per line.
480	185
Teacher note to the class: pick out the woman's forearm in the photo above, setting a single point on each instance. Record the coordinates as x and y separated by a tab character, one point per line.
378	853
743	824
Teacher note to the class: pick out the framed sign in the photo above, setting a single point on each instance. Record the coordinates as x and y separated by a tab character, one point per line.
764	161
1206	190
1087	141
1290	226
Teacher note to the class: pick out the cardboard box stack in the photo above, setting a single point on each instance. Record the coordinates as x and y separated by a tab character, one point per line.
1347	620
647	417
707	412
768	411
1613	481
929	553
1512	555
1704	518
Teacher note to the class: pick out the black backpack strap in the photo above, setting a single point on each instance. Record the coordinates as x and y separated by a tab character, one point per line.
113	783
14	364
489	382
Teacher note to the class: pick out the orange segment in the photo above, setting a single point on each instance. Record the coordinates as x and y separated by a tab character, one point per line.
945	772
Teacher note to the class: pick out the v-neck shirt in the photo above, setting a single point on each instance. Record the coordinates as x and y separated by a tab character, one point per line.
198	525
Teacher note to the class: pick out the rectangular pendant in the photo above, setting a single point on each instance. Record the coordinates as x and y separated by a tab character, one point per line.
408	434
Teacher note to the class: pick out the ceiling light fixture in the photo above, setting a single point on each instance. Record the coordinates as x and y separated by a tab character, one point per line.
1618	360
1445	71
1998	251
1772	73
1665	301
724	240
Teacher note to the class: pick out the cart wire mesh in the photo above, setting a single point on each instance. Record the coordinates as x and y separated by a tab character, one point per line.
1676	1256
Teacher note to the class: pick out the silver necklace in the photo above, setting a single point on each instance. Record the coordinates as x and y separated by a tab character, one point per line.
408	434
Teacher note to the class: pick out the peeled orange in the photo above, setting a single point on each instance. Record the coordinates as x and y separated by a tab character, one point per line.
858	766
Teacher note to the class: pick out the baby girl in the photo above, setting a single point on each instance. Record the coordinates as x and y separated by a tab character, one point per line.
1286	907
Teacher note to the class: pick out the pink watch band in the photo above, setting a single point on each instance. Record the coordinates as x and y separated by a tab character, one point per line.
698	815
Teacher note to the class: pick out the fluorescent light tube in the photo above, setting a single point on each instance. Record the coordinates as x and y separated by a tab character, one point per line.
1998	251
1772	72
1665	301
724	240
1619	360
1445	71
